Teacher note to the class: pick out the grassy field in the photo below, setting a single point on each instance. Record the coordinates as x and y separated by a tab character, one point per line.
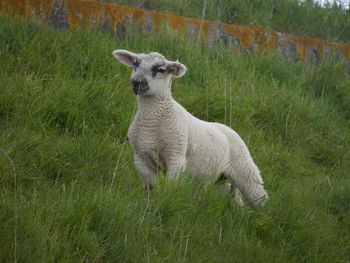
300	17
69	190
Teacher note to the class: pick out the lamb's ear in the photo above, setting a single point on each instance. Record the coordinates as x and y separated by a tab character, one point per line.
126	57
176	68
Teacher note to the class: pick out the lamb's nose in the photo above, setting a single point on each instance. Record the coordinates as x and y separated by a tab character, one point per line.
139	86
136	83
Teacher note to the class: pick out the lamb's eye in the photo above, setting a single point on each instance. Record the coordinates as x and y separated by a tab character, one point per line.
158	69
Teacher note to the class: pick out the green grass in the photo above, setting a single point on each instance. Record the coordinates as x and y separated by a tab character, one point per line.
287	16
70	192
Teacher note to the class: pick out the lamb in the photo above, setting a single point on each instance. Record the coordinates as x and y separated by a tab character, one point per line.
164	135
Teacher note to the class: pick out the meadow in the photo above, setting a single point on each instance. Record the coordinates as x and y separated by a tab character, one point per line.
69	189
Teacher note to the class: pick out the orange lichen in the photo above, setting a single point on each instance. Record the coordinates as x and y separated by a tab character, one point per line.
94	13
14	7
27	7
178	23
346	50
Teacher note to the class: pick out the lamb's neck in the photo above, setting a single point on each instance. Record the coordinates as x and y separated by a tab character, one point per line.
154	107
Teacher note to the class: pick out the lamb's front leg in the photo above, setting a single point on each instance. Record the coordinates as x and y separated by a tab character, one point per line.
175	164
146	168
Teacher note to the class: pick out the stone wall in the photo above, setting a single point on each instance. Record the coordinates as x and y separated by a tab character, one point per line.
63	14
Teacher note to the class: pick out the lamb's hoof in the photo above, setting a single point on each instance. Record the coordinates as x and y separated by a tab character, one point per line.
149	187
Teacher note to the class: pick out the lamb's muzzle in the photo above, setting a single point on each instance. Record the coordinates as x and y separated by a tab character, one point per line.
139	87
163	134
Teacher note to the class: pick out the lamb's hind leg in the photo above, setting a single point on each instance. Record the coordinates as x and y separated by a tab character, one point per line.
231	188
250	183
237	195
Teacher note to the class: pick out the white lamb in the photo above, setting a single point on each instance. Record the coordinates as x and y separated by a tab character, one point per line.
163	134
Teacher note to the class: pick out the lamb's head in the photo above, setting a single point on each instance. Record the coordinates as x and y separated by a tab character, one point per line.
151	73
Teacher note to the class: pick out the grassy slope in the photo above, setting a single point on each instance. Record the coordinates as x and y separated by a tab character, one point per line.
288	16
70	193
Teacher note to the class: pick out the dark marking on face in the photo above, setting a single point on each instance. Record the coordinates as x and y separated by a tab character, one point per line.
136	62
158	68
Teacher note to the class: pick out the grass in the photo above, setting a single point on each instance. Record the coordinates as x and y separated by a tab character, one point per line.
69	190
287	16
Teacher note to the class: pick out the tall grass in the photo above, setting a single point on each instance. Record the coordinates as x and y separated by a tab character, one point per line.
306	18
69	190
